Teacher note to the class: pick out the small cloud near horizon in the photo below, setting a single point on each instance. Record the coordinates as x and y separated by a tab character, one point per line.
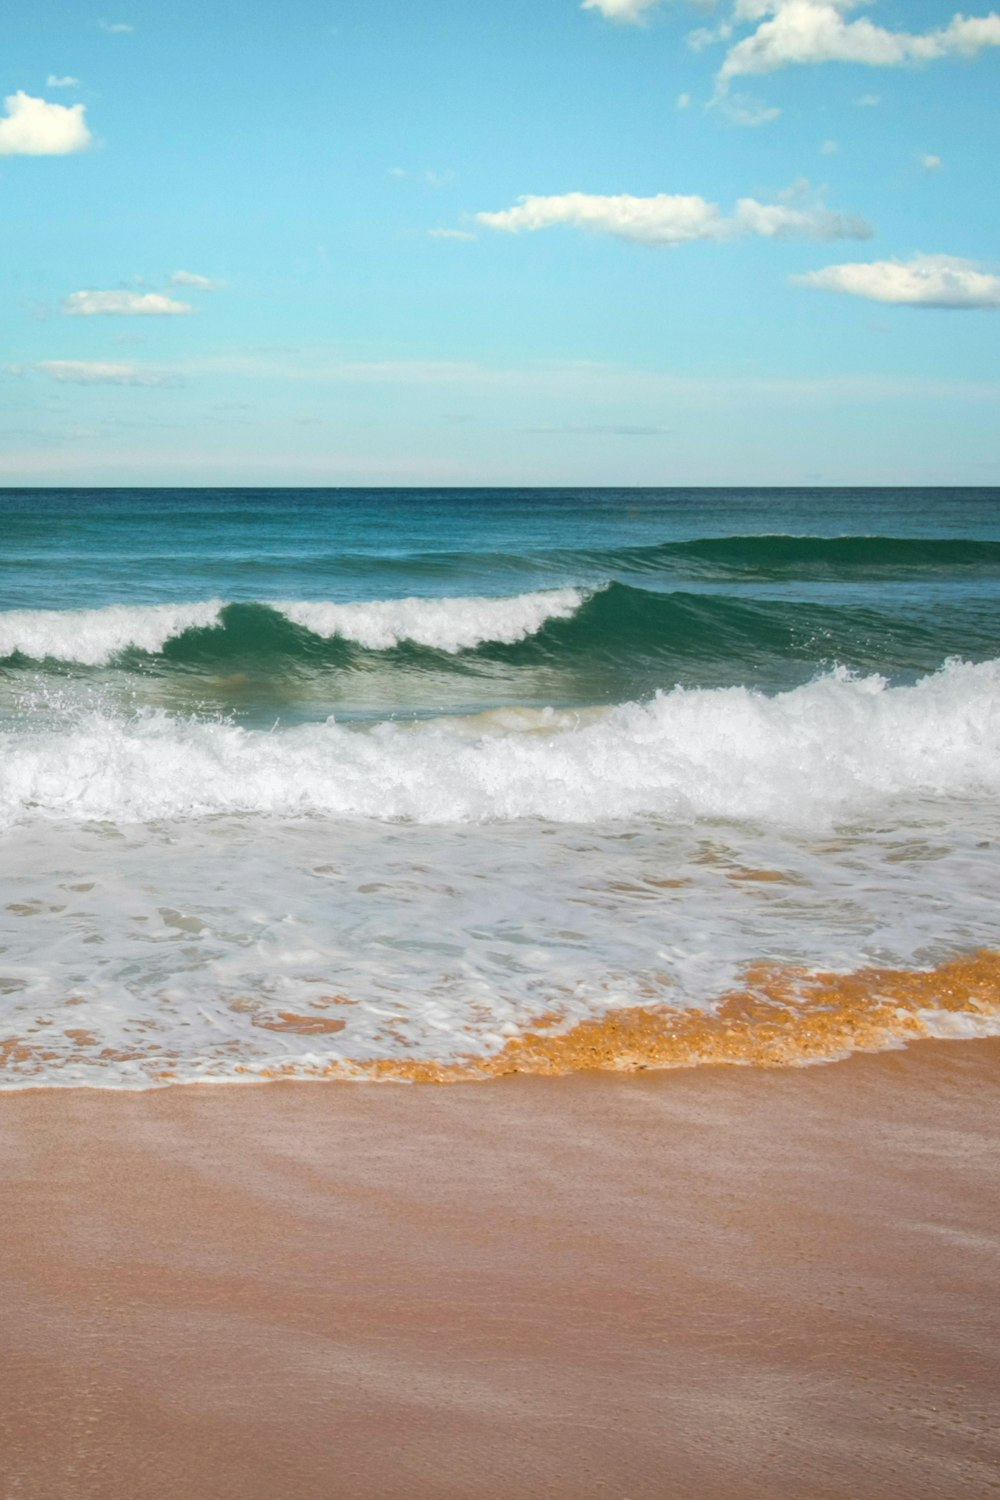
99	372
89	304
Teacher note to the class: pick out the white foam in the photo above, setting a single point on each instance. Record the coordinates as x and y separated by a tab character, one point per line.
130	953
93	636
823	751
453	624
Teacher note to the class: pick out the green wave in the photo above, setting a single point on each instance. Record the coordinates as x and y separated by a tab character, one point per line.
622	633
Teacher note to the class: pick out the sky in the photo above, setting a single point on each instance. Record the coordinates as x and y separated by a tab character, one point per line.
516	242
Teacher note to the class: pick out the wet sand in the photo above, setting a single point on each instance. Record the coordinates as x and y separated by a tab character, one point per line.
719	1282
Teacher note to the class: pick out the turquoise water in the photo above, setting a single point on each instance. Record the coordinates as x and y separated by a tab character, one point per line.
648	590
440	751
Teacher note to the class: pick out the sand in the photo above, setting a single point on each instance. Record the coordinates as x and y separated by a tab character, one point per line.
714	1282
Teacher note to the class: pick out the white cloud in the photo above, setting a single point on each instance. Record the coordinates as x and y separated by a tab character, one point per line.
450	234
829	148
116	28
816	31
631	11
924	281
33	127
707	36
742	109
91	372
930	163
683	101
673	219
192	279
124	304
54	82
868	101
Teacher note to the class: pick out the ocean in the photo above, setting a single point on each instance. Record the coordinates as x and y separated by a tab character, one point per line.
418	784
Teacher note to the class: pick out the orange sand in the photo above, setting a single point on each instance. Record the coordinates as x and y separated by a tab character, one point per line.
783	1016
712	1284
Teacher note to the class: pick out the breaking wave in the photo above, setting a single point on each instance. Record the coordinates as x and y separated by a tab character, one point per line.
646	637
95	637
837	745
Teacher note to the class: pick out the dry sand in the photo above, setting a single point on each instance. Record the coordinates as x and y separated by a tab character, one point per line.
716	1283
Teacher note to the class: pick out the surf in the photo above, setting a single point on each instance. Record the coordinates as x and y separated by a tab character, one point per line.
837	746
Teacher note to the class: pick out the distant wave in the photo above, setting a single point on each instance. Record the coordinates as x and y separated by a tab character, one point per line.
746	558
752	556
842	557
819	752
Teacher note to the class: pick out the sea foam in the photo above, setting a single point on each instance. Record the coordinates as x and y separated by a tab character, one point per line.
836	746
94	637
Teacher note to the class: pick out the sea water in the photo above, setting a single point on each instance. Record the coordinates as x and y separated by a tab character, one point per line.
308	782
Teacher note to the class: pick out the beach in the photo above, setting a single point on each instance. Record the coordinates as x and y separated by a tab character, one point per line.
499	994
706	1282
500	751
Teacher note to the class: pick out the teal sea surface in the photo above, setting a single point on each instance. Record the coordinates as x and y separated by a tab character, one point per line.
465	757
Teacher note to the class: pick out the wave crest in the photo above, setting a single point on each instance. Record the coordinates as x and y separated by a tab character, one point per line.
94	637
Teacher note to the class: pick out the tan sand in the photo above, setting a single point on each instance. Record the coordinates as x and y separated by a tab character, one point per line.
714	1284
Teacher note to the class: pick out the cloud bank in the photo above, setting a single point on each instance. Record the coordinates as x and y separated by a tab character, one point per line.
33	127
674	219
124	305
924	281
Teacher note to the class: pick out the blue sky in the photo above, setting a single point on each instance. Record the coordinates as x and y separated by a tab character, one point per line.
631	242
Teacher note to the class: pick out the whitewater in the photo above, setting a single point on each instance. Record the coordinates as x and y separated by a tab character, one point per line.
361	784
837	747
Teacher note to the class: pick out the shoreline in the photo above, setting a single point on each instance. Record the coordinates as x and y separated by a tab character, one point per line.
779	1015
722	1283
